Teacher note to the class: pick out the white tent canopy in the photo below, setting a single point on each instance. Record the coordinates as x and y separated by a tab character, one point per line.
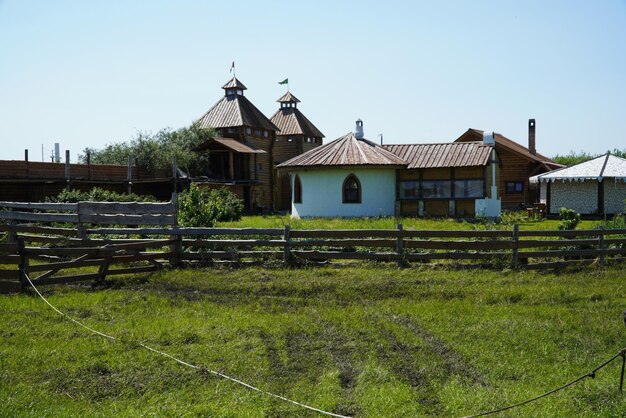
604	166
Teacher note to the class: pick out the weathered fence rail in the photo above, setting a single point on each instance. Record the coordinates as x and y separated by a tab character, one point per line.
91	250
83	214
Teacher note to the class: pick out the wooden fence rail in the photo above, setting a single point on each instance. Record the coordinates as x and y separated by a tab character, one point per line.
84	213
53	255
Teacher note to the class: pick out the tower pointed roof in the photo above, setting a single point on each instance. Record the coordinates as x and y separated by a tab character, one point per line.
290	120
235	110
288	98
234	83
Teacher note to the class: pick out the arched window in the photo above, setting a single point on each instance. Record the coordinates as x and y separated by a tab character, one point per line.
297	189
351	189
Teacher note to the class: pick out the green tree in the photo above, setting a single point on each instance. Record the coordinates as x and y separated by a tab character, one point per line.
156	151
574	157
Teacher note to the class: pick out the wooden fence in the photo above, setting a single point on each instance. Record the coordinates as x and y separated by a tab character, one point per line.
63	248
46	254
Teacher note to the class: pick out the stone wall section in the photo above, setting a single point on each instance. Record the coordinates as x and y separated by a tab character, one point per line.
614	196
581	197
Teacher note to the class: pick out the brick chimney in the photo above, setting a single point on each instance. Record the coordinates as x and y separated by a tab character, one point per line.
531	137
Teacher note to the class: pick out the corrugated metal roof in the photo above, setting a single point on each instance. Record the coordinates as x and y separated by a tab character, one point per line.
290	121
287	98
455	154
346	151
510	144
604	166
234	83
232	111
229	143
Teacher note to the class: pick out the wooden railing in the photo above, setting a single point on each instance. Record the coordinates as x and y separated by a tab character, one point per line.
82	214
47	254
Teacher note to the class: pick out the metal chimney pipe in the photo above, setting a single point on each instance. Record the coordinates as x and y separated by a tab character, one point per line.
531	137
359	129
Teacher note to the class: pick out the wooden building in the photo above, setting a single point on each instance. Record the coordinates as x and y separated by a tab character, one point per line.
446	179
352	176
250	145
517	164
296	135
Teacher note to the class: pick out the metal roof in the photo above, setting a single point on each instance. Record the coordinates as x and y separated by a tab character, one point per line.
288	98
511	145
232	111
290	121
455	154
230	144
234	83
604	166
346	151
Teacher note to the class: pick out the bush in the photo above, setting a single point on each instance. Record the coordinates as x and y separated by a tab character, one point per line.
97	195
569	219
200	207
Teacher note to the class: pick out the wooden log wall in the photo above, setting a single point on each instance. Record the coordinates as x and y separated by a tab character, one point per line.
33	181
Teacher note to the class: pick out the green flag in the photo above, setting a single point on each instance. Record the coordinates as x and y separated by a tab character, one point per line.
285	81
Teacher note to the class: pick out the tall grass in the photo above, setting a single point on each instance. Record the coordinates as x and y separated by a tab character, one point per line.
505	222
365	341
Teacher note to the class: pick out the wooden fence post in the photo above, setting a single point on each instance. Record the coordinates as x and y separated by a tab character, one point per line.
80	227
174	201
12	235
104	267
68	184
287	249
400	246
23	264
176	248
129	175
601	246
515	251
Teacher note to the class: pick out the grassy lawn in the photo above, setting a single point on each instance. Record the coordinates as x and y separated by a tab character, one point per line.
279	221
366	341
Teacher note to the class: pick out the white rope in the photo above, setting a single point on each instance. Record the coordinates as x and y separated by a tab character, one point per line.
184	363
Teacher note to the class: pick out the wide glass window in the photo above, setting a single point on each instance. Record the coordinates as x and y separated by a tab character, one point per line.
472	188
351	189
409	189
436	189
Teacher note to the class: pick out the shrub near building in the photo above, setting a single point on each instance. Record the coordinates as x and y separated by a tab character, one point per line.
200	207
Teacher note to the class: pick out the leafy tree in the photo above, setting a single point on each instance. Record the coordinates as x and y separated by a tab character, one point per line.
156	151
574	158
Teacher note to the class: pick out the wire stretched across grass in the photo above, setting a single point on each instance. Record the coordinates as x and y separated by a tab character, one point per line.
591	374
184	363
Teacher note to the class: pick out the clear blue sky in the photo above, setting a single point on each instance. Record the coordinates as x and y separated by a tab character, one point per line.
87	73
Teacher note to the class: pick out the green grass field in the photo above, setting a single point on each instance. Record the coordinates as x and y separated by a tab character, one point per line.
279	221
365	341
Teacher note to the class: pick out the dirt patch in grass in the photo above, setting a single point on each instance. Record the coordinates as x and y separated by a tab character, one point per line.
403	359
453	361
